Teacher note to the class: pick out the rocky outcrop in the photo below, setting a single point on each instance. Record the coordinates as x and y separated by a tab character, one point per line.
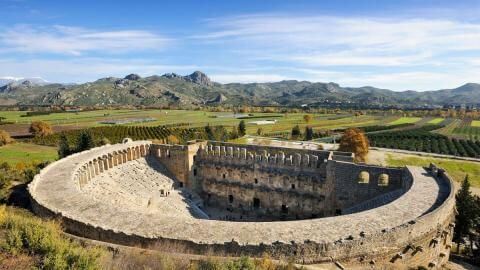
219	99
132	77
199	77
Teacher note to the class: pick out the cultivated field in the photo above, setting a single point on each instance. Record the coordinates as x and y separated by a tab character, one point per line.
284	122
405	120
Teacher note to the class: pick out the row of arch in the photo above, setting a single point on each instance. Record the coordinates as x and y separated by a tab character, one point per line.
98	165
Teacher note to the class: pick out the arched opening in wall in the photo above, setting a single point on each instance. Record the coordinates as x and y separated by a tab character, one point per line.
284	209
224	175
180	184
383	180
230	198
363	177
256	203
293	186
195	172
256	181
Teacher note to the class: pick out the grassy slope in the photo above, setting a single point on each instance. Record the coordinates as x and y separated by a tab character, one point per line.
27	153
455	168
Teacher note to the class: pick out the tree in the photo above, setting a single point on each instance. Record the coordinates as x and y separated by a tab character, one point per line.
5	138
308	133
259	131
105	141
233	134
40	129
307	118
242	129
2	118
209	132
172	139
84	141
464	220
296	132
63	147
355	141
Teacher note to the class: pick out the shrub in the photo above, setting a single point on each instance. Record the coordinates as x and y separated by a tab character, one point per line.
27	234
5	138
40	129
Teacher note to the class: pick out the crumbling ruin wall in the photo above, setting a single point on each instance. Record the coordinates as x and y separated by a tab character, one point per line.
295	184
267	182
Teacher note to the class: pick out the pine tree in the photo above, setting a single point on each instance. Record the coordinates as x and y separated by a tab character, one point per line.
63	147
296	132
464	220
209	132
242	129
308	133
85	141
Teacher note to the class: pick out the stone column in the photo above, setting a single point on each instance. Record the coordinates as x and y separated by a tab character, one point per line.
129	154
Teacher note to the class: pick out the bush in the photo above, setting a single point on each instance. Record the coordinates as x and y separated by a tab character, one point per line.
5	138
40	129
27	234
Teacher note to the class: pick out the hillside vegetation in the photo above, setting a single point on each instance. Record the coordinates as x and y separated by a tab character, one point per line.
197	89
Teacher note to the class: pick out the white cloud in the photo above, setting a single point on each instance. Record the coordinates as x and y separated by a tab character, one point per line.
77	41
326	40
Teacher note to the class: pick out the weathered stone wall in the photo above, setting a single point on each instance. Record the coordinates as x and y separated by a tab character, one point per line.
421	241
350	189
295	184
267	182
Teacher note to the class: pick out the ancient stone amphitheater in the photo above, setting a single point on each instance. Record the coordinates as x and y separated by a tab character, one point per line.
315	207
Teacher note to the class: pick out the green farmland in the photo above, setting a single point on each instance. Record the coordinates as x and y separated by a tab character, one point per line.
405	120
27	153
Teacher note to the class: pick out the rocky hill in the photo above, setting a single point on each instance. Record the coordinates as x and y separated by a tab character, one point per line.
198	89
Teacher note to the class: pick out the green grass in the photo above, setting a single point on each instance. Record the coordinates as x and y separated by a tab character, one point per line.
435	121
405	120
457	169
27	153
475	123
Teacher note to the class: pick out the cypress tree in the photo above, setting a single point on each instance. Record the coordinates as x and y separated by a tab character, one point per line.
296	132
242	128
63	147
209	132
85	141
464	220
308	133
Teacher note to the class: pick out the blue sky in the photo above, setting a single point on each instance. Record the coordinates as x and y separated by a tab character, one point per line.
399	45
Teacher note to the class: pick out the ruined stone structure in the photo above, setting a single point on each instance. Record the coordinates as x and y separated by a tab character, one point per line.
206	197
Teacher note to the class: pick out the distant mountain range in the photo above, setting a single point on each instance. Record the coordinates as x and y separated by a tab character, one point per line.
198	89
15	81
